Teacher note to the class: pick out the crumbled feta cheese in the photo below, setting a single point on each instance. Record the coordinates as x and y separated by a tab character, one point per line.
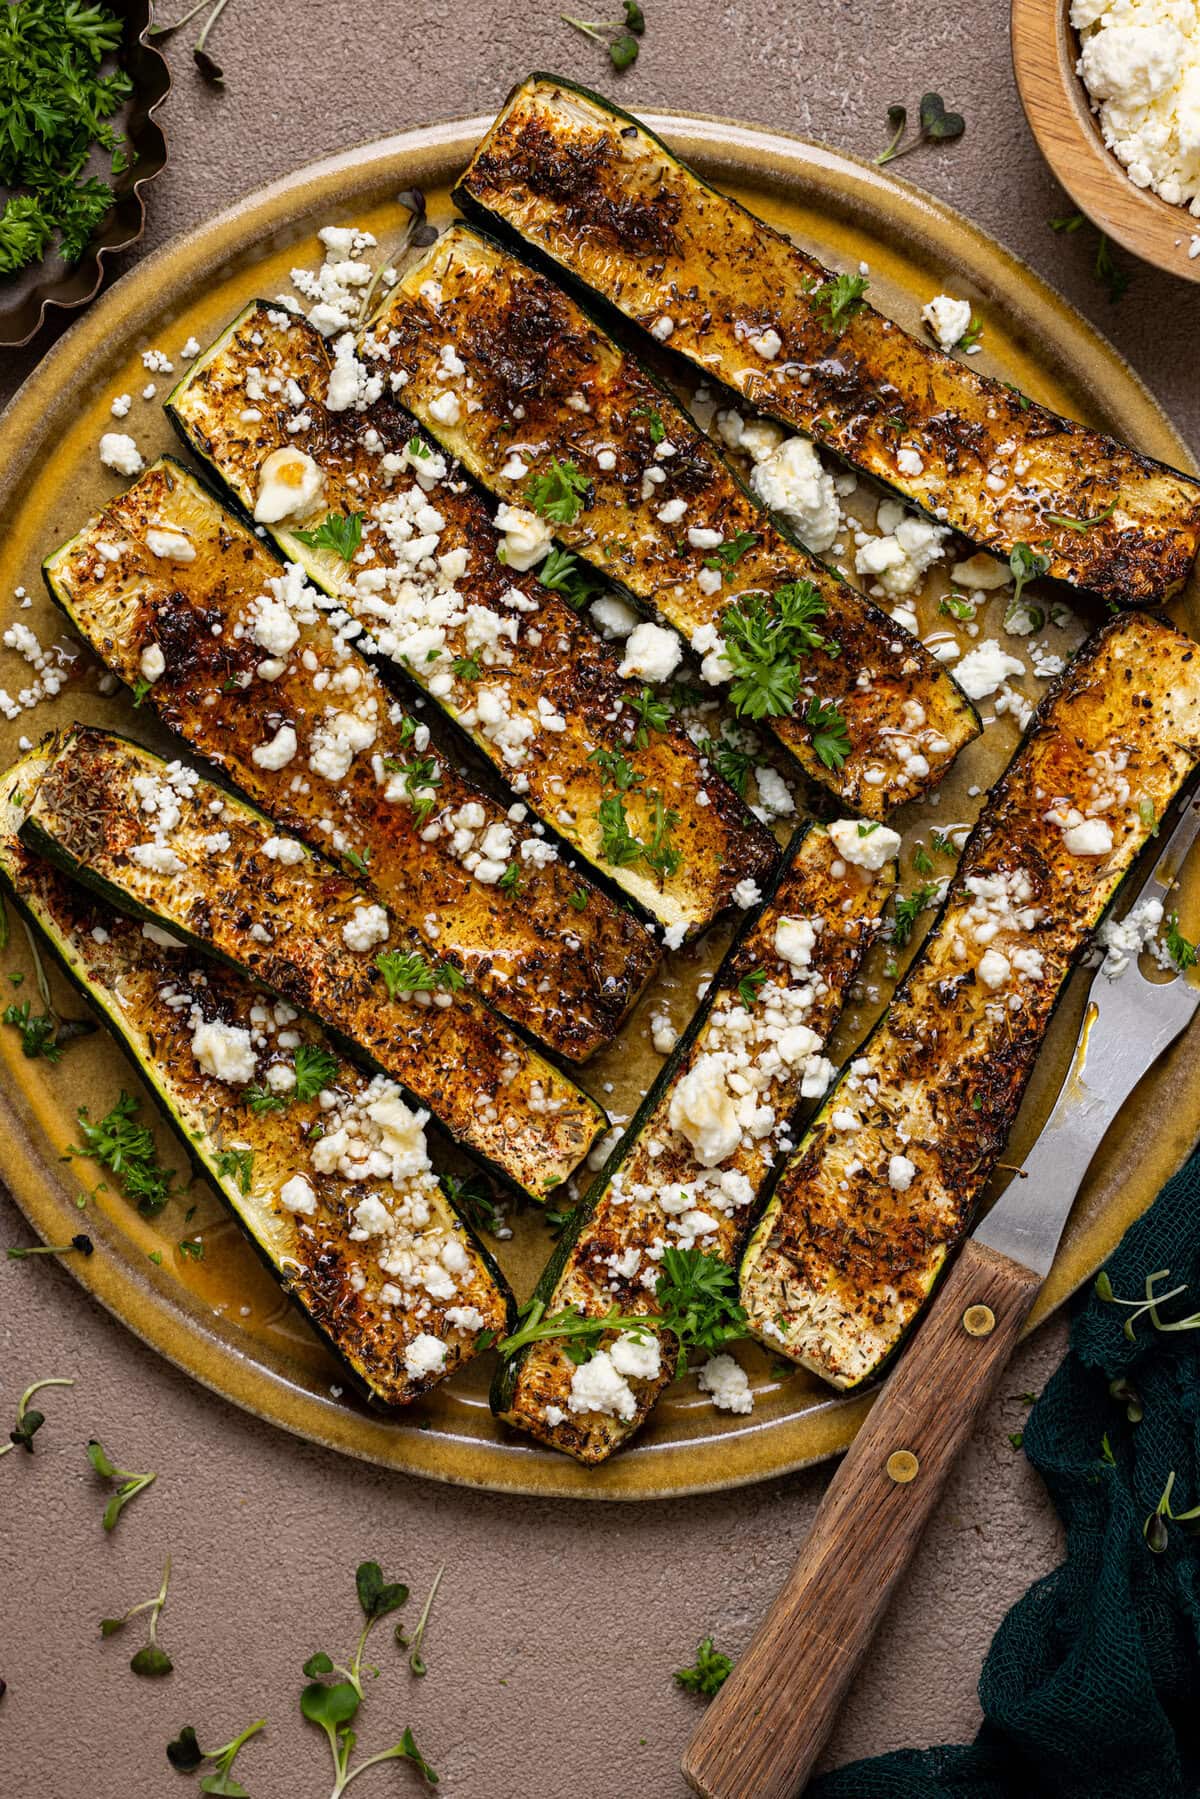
702	1110
1090	837
289	485
795	940
119	452
792	482
901	1173
121	405
170	545
746	894
1140	63
636	1359
298	1196
652	653
596	1386
983	669
613	617
365	927
526	538
278	752
152	662
1123	938
867	846
424	1355
948	319
224	1050
994	969
726	1381
909	547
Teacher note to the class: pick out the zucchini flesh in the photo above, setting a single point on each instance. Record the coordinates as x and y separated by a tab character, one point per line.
606	200
557	955
158	841
885	1182
655	1189
152	997
540	699
538	371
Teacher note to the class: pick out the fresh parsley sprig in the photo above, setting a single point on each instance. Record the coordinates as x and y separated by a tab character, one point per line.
560	494
909	908
712	1669
407	971
120	1143
766	638
341	532
186	1756
839	299
128	1485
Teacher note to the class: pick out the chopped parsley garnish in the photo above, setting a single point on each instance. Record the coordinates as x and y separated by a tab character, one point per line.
830	738
615	770
45	1034
748	986
579	899
909	908
562	573
316	1069
660	853
617	843
731	762
839	299
726	556
971	335
1181	951
128	1149
510	880
658	430
621	847
653	713
476	1204
359	859
341	532
942	844
765	639
711	1670
559	495
466	668
407	971
239	1163
55	106
421	778
922	860
956	605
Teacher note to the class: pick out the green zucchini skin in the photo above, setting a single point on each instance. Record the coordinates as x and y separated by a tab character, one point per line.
567	974
532	352
554	663
622	1212
129	980
844	1258
598	194
282	923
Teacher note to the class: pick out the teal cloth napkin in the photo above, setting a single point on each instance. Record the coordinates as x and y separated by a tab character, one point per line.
1091	1688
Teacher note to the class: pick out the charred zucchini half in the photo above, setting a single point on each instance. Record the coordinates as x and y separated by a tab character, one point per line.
350	1218
555	418
888	1175
193	613
431	586
591	188
689	1168
159	842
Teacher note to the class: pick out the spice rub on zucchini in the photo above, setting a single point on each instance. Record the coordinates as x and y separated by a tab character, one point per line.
436	590
158	841
350	1217
597	192
689	1168
888	1175
575	439
231	650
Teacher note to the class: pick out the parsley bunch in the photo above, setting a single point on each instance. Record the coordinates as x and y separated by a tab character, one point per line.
766	638
55	107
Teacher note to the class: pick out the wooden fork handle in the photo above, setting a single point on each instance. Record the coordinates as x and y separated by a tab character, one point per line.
763	1732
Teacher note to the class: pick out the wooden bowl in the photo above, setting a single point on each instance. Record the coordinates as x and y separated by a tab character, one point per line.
1045	49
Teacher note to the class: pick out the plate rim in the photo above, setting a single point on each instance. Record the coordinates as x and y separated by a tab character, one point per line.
152	1307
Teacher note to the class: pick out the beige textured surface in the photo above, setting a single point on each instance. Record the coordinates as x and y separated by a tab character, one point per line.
553	1641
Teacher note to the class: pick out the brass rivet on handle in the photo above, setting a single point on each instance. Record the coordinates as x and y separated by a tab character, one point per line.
902	1466
979	1321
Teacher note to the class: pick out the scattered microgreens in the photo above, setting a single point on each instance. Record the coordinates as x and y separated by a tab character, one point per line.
413	1644
579	899
909	908
765	639
1105	269
943	845
710	1673
359	859
697	1303
839	299
615	770
726	556
618	845
937	126
563	574
658	430
731	762
1126	1394
1080	524
559	494
207	65
128	1487
44	1034
237	1162
1022	616
185	1756
29	1419
421	778
556	1219
55	108
472	1200
971	335
341	532
956	605
510	880
922	861
748	986
653	714
621	847
150	1660
407	971
1026	565
1180	949
82	1243
830	738
619	36
1148	1307
126	1147
334	1704
1155	1528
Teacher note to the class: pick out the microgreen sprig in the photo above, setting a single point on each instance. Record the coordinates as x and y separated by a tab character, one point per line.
151	1660
619	36
1155	1528
185	1756
712	1669
937	126
80	1243
1148	1307
129	1485
413	1644
29	1419
1026	564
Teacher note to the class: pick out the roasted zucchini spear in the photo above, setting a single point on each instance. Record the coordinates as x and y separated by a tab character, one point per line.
888	1175
194	613
606	200
159	842
502	654
689	1168
555	418
358	1232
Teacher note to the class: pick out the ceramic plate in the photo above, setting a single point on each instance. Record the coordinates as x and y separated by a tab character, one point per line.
222	1319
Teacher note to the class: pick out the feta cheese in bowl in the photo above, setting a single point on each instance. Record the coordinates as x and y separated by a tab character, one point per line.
1140	63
